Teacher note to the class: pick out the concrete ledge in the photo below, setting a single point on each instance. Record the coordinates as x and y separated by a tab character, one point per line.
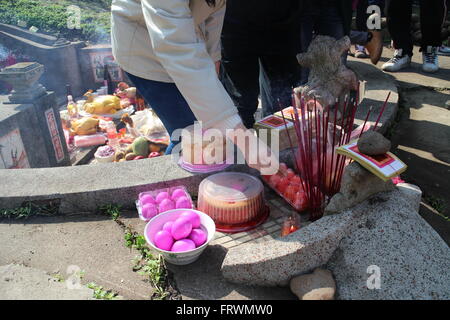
85	188
275	262
397	246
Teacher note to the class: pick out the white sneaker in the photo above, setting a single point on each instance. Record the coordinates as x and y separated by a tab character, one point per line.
444	51
430	59
399	61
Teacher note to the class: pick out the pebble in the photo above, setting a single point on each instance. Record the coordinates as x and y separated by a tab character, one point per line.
318	285
373	143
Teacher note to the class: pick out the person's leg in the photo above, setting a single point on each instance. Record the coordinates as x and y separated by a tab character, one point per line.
432	15
281	73
399	24
359	37
330	21
167	102
307	24
361	15
241	80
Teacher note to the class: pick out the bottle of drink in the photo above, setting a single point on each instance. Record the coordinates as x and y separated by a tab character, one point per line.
108	81
71	105
113	138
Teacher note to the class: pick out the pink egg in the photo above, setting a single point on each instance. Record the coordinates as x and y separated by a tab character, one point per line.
183	203
193	218
168	227
181	228
198	236
166	205
146	198
183	245
161	196
149	210
163	240
177	193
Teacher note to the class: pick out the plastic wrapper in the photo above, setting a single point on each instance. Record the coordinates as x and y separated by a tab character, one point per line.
149	125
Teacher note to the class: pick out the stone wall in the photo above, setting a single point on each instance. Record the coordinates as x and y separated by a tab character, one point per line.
31	133
60	59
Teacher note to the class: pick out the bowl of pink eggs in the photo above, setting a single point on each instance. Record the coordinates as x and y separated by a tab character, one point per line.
180	235
152	203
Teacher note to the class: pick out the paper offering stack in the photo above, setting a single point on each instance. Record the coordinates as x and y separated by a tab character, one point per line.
385	166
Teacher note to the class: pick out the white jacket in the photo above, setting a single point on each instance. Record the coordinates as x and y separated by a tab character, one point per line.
175	41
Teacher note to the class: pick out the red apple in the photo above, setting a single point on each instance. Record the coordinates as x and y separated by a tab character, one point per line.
282	185
154	155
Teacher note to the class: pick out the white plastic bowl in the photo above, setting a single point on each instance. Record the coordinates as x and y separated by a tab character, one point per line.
105	159
179	258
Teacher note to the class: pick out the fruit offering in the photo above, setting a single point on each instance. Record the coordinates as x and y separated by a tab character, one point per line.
179	235
289	186
152	203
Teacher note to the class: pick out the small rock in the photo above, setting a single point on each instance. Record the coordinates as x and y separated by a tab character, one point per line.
318	285
373	143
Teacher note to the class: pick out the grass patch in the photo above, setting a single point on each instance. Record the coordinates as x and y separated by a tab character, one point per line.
51	17
111	210
100	293
30	209
148	265
437	204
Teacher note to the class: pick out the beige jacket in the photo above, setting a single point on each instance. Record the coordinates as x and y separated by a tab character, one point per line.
175	41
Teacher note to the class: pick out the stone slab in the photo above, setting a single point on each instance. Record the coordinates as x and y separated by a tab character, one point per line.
85	188
18	282
24	118
413	261
275	262
94	244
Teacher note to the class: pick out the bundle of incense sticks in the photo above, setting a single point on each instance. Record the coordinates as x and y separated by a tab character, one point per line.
318	136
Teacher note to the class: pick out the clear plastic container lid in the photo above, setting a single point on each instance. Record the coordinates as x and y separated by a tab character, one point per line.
231	187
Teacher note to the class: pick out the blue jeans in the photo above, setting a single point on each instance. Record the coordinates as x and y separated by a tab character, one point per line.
167	102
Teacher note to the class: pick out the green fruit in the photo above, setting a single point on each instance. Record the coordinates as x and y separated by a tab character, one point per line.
140	147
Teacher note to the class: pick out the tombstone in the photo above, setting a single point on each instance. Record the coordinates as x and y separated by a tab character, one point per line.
30	125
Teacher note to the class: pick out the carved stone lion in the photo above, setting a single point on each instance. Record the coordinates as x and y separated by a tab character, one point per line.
329	78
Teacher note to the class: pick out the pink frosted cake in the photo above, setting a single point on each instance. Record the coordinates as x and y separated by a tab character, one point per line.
233	200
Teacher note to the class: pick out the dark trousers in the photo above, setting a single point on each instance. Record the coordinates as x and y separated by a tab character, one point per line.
244	75
432	14
319	19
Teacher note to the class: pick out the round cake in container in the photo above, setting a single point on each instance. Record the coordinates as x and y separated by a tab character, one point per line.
234	200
